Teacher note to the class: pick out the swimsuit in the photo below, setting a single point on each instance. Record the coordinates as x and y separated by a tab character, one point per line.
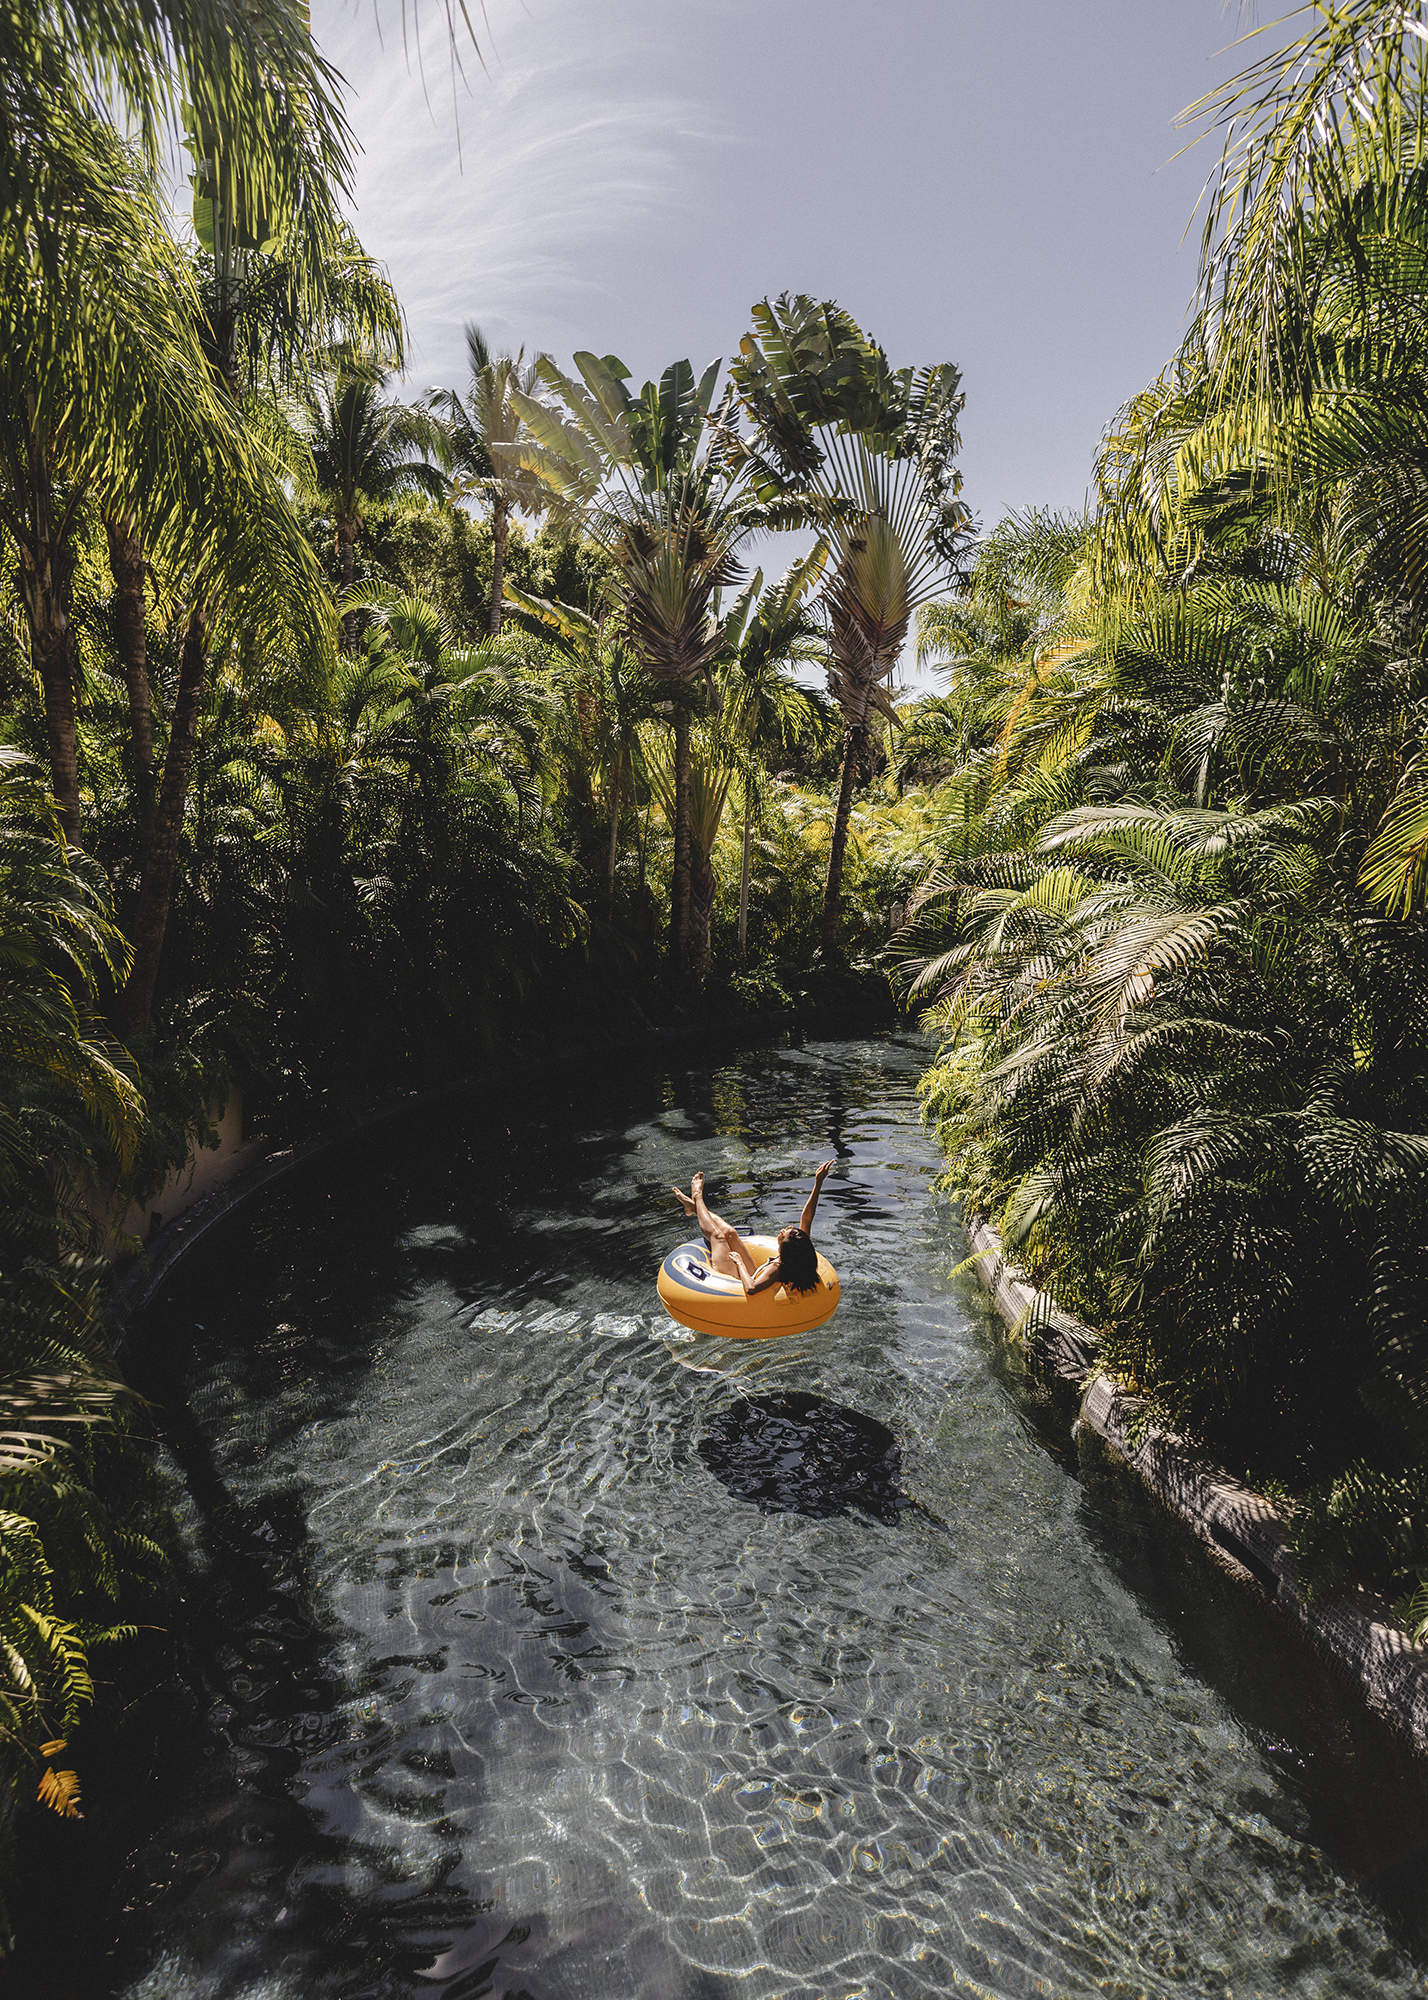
708	1245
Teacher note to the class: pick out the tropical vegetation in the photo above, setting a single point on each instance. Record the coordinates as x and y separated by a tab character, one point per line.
1172	927
353	742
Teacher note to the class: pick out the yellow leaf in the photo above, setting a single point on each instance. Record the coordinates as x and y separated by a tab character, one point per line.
59	1790
53	1749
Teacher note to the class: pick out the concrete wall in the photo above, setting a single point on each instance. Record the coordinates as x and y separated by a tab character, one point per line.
206	1169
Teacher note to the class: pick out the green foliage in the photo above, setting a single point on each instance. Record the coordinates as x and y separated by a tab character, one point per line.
76	1512
1367	1525
1184	1067
361	447
58	944
1173	924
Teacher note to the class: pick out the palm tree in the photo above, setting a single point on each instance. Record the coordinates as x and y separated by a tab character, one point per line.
446	708
249	73
58	942
128	568
1178	1046
105	396
450	746
769	630
1299	400
480	436
867	607
715	757
254	577
362	455
757	708
86	350
870	455
610	696
1336	109
1005	644
255	331
273	289
655	484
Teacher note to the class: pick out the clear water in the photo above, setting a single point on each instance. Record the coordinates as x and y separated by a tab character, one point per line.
503	1687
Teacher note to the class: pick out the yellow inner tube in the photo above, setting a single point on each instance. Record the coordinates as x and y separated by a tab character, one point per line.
697	1296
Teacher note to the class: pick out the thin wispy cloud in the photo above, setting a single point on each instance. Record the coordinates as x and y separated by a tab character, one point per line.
494	201
1002	187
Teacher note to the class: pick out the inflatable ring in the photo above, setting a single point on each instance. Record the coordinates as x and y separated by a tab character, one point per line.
700	1298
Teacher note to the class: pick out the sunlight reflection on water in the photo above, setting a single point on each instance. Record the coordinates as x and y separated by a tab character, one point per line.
509	1690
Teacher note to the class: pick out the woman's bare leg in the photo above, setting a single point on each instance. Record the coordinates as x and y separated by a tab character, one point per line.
721	1236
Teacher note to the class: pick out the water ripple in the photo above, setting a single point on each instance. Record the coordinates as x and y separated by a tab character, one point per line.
514	1691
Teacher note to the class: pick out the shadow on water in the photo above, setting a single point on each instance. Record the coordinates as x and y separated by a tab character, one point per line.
1348	1785
193	1766
249	1709
799	1454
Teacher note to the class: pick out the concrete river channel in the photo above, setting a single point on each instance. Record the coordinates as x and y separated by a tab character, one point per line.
533	1649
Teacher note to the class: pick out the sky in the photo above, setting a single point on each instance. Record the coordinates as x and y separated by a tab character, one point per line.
990	182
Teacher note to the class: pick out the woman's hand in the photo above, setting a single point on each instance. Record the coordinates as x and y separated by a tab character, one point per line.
744	1268
824	1171
758	1280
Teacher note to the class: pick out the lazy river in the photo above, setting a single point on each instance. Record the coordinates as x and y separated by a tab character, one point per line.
536	1649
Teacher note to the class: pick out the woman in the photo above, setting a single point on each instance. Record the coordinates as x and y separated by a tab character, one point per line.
795	1264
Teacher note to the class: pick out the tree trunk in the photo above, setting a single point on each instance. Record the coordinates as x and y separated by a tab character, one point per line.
500	527
346	541
680	889
126	562
744	872
702	887
224	325
46	571
156	894
614	827
833	890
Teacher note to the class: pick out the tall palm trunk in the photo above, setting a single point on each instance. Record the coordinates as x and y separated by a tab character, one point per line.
702	889
680	894
156	893
500	528
346	545
744	872
46	574
126	563
833	889
225	345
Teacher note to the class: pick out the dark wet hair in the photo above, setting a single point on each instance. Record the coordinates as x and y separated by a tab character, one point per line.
798	1262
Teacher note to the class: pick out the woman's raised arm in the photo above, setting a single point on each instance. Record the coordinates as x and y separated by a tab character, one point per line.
810	1207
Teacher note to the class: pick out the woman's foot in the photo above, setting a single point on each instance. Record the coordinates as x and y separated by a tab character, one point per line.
683	1199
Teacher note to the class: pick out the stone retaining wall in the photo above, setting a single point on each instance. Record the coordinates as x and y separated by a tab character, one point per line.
1242	1532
